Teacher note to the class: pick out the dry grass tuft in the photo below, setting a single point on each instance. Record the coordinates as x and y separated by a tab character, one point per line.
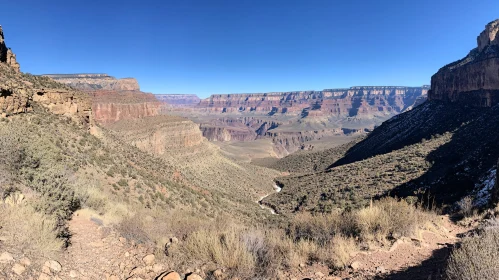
31	232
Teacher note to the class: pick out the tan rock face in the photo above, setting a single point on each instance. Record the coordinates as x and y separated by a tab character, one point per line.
89	82
6	54
489	36
113	106
62	102
160	134
473	80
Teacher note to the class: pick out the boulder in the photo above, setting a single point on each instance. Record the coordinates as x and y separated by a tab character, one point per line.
54	266
149	259
18	269
355	265
6	257
194	276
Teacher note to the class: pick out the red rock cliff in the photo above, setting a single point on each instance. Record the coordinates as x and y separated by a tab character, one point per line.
113	106
364	102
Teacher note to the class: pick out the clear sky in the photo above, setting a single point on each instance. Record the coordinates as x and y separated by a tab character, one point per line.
240	46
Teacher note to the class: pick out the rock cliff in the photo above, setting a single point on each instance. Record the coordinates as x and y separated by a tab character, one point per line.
19	92
6	54
89	82
112	106
179	99
473	80
159	135
362	102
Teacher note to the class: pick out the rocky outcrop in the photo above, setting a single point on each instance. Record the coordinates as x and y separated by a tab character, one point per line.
179	100
6	54
65	102
159	135
113	106
473	80
89	82
227	133
361	102
19	91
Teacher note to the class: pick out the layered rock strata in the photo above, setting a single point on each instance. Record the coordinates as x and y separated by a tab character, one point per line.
362	102
179	99
473	80
113	106
89	82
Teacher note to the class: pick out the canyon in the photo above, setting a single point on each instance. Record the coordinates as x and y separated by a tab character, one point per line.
295	121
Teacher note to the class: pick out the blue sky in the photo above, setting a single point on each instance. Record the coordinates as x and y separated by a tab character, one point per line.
239	46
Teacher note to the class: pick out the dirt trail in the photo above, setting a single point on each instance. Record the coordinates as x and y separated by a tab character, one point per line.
408	258
97	252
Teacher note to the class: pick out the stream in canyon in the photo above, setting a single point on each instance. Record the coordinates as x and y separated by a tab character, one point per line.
263	206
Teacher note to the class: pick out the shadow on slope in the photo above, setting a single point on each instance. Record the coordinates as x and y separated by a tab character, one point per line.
430	269
460	163
409	128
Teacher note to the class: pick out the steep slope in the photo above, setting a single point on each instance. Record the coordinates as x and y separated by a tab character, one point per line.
443	147
6	54
180	142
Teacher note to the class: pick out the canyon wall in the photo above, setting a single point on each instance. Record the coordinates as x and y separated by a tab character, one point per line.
89	82
362	102
6	54
159	135
179	99
113	106
473	80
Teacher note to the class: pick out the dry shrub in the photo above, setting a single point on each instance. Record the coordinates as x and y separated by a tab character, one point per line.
132	227
476	258
318	228
339	251
29	231
466	206
392	217
224	248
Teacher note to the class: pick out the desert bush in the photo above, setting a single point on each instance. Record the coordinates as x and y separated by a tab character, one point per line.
476	258
132	227
466	206
338	252
223	248
30	231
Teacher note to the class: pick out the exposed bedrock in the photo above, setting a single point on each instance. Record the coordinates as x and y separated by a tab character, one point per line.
473	80
364	102
89	82
6	54
179	99
113	106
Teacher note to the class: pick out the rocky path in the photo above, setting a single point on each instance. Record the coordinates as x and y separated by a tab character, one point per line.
416	258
